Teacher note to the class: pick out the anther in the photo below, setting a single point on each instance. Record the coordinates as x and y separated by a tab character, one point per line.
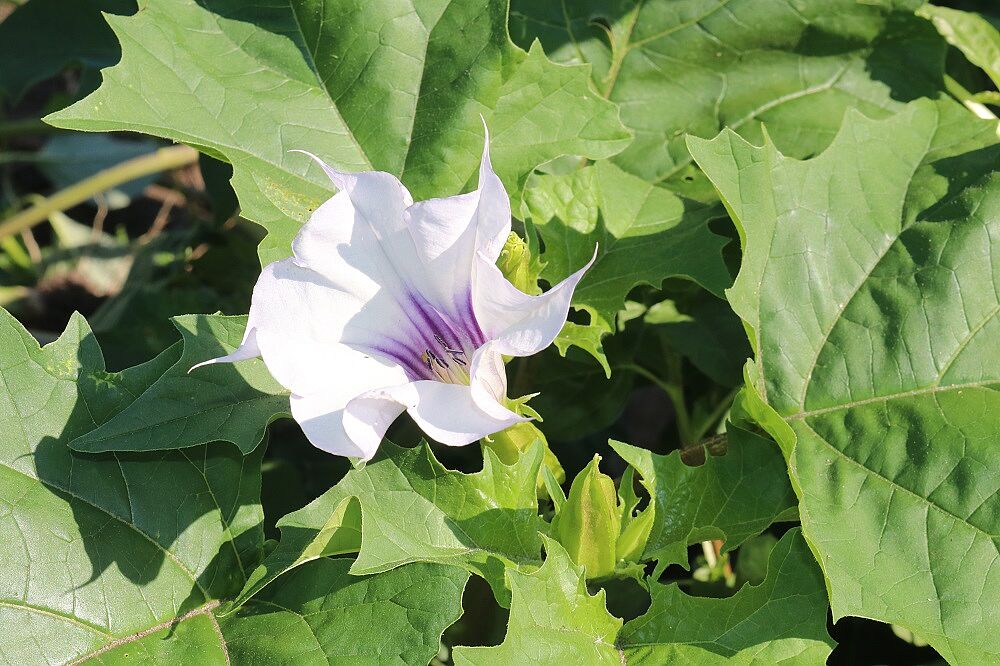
453	352
430	358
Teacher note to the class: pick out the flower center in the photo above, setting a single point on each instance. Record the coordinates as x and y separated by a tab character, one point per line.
437	345
446	362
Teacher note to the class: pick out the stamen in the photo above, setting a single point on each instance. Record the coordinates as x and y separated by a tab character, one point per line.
454	353
430	358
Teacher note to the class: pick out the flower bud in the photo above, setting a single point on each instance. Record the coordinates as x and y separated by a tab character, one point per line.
589	522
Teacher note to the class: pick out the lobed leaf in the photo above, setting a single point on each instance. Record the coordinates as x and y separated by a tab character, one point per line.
643	234
781	620
383	86
678	67
731	497
102	551
870	288
404	506
229	402
322	614
553	620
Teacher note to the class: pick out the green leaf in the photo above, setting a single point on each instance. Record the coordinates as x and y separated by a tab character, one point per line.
43	37
101	551
322	614
782	620
588	338
481	522
869	285
319	614
369	85
971	34
730	497
697	66
229	402
553	620
194	638
512	443
643	235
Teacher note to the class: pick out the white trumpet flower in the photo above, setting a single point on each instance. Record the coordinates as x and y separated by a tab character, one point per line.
389	305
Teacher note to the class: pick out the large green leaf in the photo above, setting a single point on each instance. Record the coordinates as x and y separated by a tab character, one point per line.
382	85
781	620
643	234
553	620
404	506
321	614
681	67
230	402
871	289
730	497
103	550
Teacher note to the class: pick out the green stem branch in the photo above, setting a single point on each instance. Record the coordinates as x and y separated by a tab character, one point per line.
673	392
713	418
164	159
958	91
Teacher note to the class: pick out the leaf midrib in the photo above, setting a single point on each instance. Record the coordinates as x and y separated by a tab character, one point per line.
139	635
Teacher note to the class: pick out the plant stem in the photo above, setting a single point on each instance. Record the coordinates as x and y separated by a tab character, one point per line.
673	392
699	433
958	91
163	159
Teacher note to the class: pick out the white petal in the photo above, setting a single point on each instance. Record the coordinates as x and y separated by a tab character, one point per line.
354	430
520	324
494	207
447	413
248	349
311	333
357	239
488	381
448	232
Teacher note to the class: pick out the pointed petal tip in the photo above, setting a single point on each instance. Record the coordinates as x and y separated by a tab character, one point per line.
194	367
337	177
485	163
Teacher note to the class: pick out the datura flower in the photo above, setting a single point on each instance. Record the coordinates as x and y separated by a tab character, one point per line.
389	305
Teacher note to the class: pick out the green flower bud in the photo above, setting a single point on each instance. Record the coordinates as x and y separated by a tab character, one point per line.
589	522
519	266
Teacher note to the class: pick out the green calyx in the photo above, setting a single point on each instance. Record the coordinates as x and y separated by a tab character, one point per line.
597	527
